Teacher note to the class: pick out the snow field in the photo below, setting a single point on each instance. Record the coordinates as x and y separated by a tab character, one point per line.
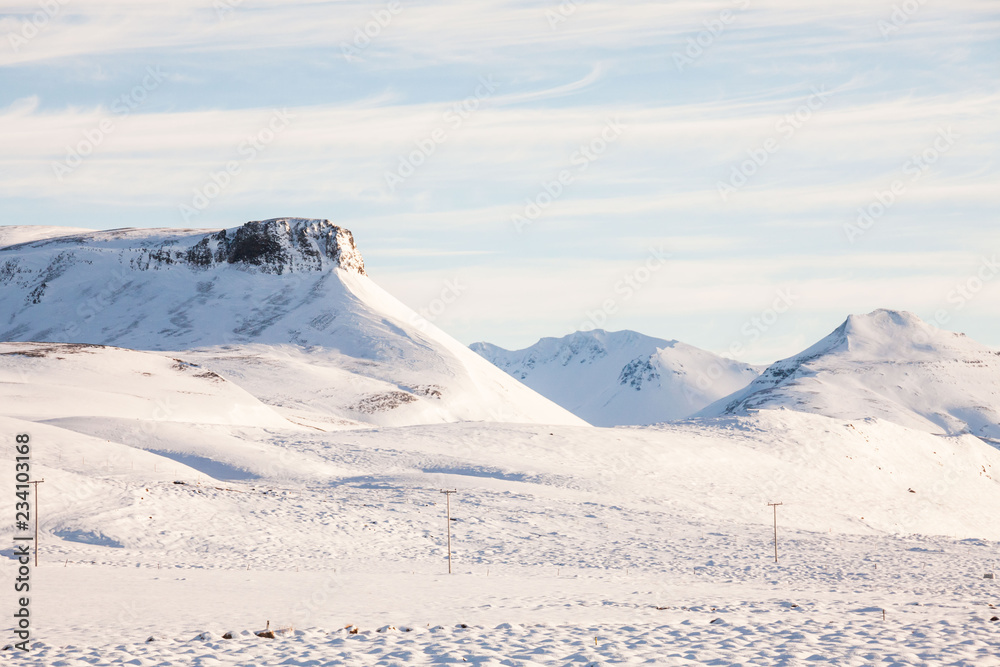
638	536
938	609
288	472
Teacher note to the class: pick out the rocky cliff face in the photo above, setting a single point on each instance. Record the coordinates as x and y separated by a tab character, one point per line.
278	246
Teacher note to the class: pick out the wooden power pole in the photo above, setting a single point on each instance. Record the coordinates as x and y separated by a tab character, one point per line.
36	483
447	495
775	506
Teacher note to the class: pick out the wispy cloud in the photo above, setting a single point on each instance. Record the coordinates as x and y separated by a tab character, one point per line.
227	68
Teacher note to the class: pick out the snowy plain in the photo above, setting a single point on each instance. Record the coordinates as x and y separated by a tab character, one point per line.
191	493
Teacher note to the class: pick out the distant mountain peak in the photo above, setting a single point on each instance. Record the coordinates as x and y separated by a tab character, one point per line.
888	364
888	315
621	377
880	321
883	333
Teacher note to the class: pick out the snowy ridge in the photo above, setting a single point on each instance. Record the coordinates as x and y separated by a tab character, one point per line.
886	364
622	377
278	245
176	289
16	234
284	306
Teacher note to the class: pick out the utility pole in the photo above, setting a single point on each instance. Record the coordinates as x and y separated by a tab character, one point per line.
775	506
36	483
447	495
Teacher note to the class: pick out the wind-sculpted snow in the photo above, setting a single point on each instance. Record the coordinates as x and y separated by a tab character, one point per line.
612	378
886	364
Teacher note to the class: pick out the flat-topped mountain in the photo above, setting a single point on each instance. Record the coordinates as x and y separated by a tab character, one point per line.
283	305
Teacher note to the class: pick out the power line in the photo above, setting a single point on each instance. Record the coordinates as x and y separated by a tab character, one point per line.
775	506
447	495
36	483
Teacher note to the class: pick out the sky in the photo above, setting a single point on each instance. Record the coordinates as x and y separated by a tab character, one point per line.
739	175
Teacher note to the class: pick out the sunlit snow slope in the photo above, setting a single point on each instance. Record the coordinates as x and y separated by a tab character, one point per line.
239	293
612	378
886	364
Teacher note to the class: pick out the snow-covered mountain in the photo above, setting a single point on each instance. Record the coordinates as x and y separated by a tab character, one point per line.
198	492
613	378
283	306
886	364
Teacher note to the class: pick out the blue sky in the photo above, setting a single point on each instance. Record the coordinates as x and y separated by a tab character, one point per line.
518	170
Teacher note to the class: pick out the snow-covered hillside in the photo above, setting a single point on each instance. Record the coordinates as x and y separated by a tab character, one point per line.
573	544
886	364
611	378
237	294
273	457
43	381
